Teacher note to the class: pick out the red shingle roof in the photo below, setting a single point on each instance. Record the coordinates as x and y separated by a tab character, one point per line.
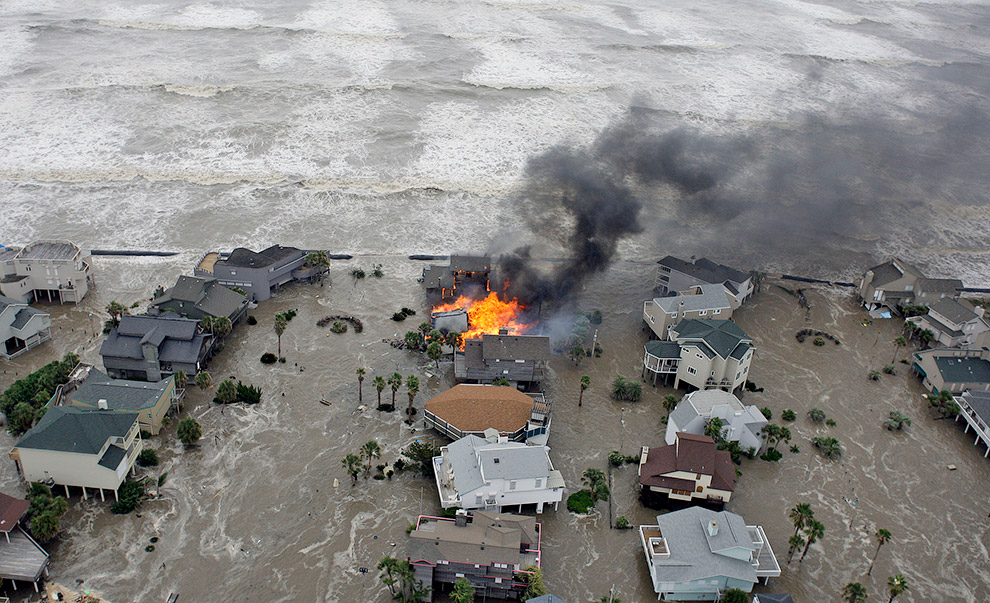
11	511
692	454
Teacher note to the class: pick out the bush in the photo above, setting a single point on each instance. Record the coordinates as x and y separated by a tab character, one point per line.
357	273
386	407
251	320
129	496
751	387
147	458
287	315
398	317
622	523
281	359
766	412
874	375
795	449
408	311
830	422
248	394
817	415
34	391
189	431
580	502
268	358
889	369
819	341
788	415
829	447
44	512
616	458
420	454
628	391
338	327
596	317
377	271
771	455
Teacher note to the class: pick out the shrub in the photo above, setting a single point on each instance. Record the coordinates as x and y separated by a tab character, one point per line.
829	447
616	458
34	391
896	421
357	273
268	358
251	320
147	458
874	375
129	496
377	271
628	391
817	415
795	449
398	317
766	412
248	394
771	455
622	523
420	454
889	369
386	407
819	341
788	415
287	315
281	359
399	465
830	422
379	476
44	512
189	431
149	548
410	528
751	387
596	317
408	311
580	502
338	327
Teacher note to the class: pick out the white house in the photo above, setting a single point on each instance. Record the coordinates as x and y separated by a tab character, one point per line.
743	424
45	271
21	327
494	473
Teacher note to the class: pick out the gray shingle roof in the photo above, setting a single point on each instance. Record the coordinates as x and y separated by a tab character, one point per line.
711	297
705	270
245	258
120	394
24	315
952	310
6	302
886	273
112	457
979	401
724	337
175	338
69	429
693	553
939	285
488	538
515	461
515	347
205	294
963	370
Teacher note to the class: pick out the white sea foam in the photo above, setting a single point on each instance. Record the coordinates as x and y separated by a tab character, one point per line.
15	42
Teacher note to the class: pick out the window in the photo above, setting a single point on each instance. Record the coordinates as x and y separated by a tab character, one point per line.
692	371
512	484
539	482
700	357
496	460
717	311
702	312
664	269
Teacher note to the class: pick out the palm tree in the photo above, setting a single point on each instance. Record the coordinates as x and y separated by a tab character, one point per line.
412	384
795	542
669	404
882	536
897	420
424	329
180	379
713	428
318	259
280	324
455	340
596	482
206	323
226	392
435	351
897	584
360	373
802	515
899	342
222	327
817	415
116	310
203	379
395	382
370	450
352	463
413	340
814	531
585	384
387	566
854	593
379	383
926	336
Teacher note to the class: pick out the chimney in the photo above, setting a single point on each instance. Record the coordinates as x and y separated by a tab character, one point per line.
102	404
712	528
460	519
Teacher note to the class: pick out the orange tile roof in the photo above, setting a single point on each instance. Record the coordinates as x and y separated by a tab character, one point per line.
475	408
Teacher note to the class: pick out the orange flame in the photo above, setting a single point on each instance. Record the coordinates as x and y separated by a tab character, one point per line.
487	316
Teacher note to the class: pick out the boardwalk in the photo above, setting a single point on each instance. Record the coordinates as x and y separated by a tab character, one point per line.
22	558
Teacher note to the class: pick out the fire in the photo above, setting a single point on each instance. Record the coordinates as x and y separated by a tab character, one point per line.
487	316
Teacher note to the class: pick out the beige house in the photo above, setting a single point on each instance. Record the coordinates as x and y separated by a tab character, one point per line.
955	324
44	271
706	354
700	301
953	370
150	401
690	471
894	284
82	448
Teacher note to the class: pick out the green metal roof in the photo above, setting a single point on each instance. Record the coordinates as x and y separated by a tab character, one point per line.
963	370
663	349
68	429
724	337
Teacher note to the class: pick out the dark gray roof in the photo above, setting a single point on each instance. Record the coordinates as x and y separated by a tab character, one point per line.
953	310
705	270
515	347
886	273
939	285
979	401
245	258
175	338
470	263
24	315
48	250
930	321
6	302
69	429
963	370
545	599
663	349
120	394
112	457
205	294
724	337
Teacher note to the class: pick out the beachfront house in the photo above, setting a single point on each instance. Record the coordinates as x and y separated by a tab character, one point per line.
974	408
697	554
743	424
72	446
952	369
153	347
701	301
675	274
689	471
199	298
954	324
150	401
520	359
493	474
469	409
258	273
703	353
888	287
464	275
51	271
491	551
21	327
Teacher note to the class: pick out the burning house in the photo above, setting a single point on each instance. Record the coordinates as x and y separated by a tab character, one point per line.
466	275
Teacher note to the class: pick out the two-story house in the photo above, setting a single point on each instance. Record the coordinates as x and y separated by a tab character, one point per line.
199	298
954	324
150	401
258	273
704	353
489	550
494	473
743	424
697	554
52	271
953	370
154	347
701	301
894	284
21	327
520	359
82	448
674	274
689	471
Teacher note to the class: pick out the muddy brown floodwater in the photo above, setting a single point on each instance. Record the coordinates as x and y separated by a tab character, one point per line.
251	514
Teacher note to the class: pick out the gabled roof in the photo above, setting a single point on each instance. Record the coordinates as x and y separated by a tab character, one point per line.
939	285
473	461
693	554
952	310
488	538
712	297
724	337
9	302
693	454
663	349
475	408
68	429
205	294
11	511
515	347
979	401
705	270
245	258
889	272
175	338
120	394
24	315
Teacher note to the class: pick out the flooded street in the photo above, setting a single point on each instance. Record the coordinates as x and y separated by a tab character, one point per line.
251	514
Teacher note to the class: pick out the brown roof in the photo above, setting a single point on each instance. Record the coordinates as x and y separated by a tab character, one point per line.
489	538
475	408
11	511
693	454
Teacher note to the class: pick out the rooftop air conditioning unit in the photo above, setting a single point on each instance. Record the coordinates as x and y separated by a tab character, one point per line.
102	404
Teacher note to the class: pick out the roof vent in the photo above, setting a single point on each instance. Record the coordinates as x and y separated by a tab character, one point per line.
102	404
712	528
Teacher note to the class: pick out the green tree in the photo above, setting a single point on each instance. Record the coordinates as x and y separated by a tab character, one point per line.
501	382
534	582
714	428
597	483
189	431
854	593
897	585
379	383
203	379
899	342
669	404
802	515
360	375
412	386
352	464
817	415
788	415
455	340
794	543
20	418
370	450
147	458
424	329
926	336
434	351
829	447
181	379
735	595
813	533
226	392
388	567
421	454
463	591
413	340
883	537
44	512
280	324
585	384
318	259
206	324
896	421
116	310
395	382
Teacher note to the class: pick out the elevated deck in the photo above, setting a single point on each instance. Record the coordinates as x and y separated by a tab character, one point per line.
22	558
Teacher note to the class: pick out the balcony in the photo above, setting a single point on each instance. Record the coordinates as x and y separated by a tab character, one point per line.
654	543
